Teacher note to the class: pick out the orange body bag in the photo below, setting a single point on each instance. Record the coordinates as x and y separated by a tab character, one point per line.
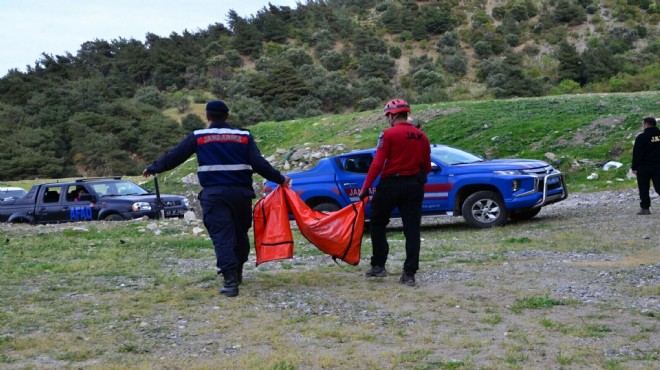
338	234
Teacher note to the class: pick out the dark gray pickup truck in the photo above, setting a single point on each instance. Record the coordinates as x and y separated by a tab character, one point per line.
89	199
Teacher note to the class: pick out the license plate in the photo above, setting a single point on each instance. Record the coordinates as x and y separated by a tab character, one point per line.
174	212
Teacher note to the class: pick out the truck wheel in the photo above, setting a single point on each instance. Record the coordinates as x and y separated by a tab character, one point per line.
524	215
484	209
326	207
114	217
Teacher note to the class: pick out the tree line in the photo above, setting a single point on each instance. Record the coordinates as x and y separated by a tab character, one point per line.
99	112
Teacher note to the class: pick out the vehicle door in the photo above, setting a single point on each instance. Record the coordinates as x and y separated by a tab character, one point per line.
352	171
78	206
49	207
437	189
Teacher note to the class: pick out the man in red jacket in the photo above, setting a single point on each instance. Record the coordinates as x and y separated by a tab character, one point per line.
403	160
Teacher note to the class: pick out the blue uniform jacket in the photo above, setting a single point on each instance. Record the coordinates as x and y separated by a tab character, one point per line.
226	156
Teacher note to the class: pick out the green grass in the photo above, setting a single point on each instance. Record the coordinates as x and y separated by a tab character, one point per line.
534	303
119	296
583	131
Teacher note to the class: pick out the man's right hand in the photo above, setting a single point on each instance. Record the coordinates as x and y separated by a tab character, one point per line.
146	173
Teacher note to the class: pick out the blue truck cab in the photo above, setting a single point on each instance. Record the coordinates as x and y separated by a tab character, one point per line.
485	193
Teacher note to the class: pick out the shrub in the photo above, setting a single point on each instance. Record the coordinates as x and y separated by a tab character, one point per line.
566	87
309	106
332	60
151	96
182	104
248	110
284	114
368	104
192	122
395	52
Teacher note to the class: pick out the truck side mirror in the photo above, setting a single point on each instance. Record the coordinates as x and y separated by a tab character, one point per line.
86	197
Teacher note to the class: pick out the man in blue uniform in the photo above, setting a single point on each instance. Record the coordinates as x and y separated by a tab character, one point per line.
646	162
227	157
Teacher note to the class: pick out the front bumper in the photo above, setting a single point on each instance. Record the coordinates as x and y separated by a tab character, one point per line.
548	189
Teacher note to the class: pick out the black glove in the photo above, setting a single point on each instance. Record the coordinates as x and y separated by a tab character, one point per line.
364	194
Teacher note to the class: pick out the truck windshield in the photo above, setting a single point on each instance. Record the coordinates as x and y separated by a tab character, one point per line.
115	188
452	156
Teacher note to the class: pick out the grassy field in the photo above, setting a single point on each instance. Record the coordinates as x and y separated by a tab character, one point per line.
572	288
583	132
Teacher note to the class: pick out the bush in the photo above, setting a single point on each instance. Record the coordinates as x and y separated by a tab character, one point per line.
368	104
565	87
151	96
395	52
234	58
332	60
192	122
512	40
182	105
284	114
456	64
309	106
248	111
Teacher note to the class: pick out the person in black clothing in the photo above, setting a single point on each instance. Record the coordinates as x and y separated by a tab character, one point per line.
646	162
227	157
402	160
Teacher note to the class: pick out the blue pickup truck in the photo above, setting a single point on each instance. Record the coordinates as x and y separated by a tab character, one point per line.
485	192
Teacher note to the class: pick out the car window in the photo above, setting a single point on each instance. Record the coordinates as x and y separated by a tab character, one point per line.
52	194
115	188
12	193
73	192
358	164
100	189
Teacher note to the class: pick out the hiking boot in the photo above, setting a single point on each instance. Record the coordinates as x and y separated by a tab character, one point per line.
407	278
230	283
644	211
376	271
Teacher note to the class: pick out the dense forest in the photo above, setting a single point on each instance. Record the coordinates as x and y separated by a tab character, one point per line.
100	111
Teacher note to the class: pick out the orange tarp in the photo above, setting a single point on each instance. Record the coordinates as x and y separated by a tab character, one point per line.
338	234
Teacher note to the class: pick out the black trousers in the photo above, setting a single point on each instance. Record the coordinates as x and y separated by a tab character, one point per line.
644	177
228	217
405	193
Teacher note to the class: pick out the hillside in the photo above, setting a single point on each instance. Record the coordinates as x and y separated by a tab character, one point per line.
576	133
113	106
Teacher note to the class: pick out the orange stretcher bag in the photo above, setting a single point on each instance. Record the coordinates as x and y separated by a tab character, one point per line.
273	239
338	234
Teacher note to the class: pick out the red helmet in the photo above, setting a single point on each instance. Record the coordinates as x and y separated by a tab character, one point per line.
396	106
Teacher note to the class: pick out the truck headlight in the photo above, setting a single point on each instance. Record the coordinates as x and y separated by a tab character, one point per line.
186	202
141	206
508	172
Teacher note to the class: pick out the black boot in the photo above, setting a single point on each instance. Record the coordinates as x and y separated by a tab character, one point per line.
239	273
230	284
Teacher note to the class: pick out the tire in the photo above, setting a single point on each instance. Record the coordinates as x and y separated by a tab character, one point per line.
327	207
524	215
114	217
484	209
